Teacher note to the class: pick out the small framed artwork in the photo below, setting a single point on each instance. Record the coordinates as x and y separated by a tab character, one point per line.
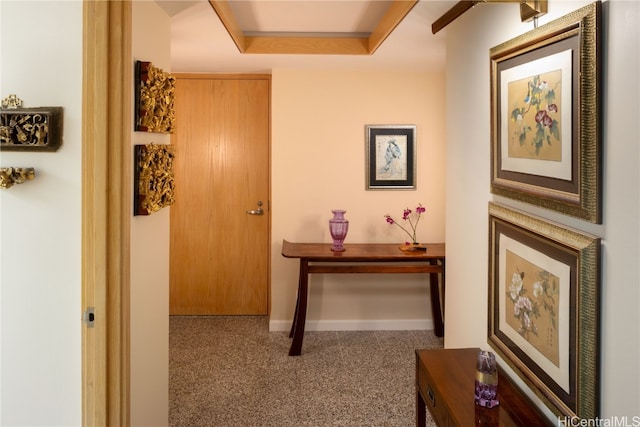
154	99
390	157
154	185
546	114
544	308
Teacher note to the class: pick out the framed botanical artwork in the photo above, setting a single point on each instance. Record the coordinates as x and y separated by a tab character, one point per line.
154	185
545	116
390	157
544	308
154	98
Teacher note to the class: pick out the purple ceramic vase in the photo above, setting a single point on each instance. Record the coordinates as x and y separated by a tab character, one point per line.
338	227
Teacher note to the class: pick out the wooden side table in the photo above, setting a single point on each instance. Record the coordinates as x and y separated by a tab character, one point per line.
445	385
370	258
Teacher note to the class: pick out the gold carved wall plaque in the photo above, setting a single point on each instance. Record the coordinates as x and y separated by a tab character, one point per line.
154	99
11	176
31	129
154	184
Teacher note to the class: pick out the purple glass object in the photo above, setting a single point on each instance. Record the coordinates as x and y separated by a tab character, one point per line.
338	227
486	380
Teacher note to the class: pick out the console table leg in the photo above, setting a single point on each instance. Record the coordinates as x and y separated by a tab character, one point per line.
295	313
436	307
300	315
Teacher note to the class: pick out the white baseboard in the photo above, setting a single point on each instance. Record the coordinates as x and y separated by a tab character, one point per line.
355	325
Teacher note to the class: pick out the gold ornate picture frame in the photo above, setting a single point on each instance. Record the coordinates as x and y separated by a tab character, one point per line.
154	185
544	308
546	114
154	99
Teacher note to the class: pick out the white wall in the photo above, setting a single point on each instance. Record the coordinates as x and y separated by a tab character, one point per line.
40	231
318	164
150	252
40	228
468	149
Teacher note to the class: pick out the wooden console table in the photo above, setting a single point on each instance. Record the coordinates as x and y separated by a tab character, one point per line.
445	381
372	258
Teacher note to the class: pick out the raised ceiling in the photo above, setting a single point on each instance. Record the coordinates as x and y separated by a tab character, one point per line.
205	41
321	17
322	27
201	43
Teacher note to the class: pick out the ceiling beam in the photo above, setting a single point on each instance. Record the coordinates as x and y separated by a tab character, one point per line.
452	14
529	10
307	45
224	12
356	45
394	15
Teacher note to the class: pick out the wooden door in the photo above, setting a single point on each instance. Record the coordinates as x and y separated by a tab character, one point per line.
219	239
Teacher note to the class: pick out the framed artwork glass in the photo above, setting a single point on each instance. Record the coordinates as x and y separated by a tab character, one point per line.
545	116
544	308
390	157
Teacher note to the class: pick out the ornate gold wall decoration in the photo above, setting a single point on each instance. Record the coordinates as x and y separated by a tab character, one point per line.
154	99
11	176
30	129
12	101
154	184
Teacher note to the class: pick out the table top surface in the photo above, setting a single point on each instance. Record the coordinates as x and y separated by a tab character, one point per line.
454	371
364	252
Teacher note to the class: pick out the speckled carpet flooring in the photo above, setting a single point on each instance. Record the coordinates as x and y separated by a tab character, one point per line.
230	371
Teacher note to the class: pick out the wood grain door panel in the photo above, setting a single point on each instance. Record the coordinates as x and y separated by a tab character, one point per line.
219	252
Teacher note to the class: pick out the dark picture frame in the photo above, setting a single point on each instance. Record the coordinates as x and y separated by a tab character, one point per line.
31	129
544	313
546	116
390	157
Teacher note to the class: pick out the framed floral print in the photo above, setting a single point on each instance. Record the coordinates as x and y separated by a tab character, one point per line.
544	308
545	116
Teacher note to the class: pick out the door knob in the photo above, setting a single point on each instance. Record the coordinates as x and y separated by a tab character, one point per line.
258	211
